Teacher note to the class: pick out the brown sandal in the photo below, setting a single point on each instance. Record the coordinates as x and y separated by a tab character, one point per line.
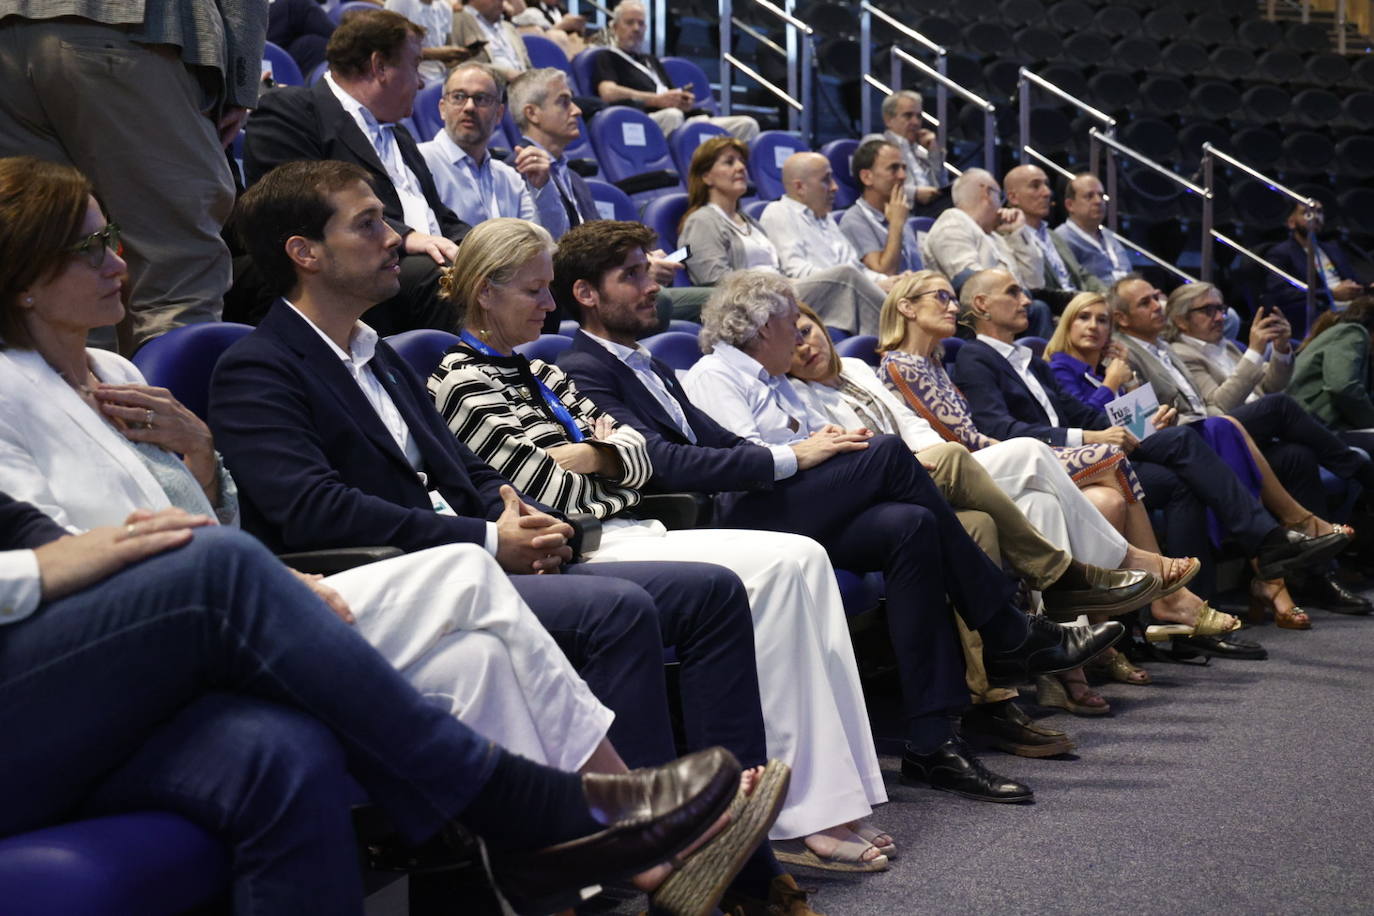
1262	603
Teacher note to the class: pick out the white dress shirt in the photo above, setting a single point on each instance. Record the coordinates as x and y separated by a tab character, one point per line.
638	359
436	18
499	47
414	208
20	585
362	346
1020	358
477	191
806	242
1053	260
1160	351
740	395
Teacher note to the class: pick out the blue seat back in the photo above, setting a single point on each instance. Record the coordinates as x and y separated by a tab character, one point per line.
839	152
683	326
318	73
755	208
422	348
628	142
568	328
425	114
766	156
837	334
687	138
951	345
546	347
921	223
863	346
183	359
676	348
545	53
663	214
285	72
583	68
337	13
146	862
684	74
611	202
581	148
1035	344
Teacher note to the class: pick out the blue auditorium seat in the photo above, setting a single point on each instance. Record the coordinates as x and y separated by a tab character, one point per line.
678	349
182	359
568	328
583	68
859	593
837	335
337	13
839	152
546	53
1035	344
862	346
684	326
285	72
685	74
611	202
754	208
425	113
687	138
766	156
951	345
546	347
145	863
422	348
663	215
632	151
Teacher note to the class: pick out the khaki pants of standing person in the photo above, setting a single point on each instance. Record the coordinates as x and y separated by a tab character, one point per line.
983	530
134	120
741	127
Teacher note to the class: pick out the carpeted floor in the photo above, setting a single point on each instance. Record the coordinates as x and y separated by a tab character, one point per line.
1239	787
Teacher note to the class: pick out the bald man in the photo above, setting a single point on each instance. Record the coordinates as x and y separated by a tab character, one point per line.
1027	188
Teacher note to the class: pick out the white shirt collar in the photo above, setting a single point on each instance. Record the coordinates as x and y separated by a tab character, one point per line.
738	359
806	212
619	350
455	153
1011	351
1212	350
357	109
362	340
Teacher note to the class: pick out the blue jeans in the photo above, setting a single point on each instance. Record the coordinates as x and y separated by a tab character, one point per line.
210	682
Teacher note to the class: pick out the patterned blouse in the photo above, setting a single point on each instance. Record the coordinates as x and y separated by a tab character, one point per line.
494	405
927	389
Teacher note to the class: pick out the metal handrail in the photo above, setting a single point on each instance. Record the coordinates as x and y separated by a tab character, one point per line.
866	13
798	95
758	36
1144	160
948	85
1046	160
1154	257
1040	81
1025	80
574	7
1210	155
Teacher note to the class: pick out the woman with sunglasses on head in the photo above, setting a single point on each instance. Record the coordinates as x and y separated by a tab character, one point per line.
1092	367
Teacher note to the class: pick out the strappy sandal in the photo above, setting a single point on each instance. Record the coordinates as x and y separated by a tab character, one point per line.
1115	665
1052	692
1192	566
881	840
847	857
1210	622
1263	603
1309	526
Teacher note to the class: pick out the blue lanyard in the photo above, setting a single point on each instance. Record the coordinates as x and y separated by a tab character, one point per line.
560	412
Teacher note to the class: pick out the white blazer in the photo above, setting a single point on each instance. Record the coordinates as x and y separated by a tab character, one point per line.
59	455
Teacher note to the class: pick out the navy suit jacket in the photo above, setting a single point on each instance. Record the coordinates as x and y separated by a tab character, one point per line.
23	527
1292	257
1003	407
316	468
295	122
720	461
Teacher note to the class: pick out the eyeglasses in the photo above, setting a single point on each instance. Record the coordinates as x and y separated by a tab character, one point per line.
944	296
1211	309
93	246
481	99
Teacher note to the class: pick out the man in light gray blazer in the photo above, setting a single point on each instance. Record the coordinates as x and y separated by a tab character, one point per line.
142	96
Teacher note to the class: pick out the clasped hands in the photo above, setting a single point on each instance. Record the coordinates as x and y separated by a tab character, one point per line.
827	442
528	540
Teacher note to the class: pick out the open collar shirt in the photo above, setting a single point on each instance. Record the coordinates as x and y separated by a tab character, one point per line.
1020	358
477	191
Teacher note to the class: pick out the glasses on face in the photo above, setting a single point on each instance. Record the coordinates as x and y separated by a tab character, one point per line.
93	246
943	296
1211	309
459	98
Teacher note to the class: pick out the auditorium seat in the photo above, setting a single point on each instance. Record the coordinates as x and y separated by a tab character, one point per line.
546	347
1050	129
1165	24
1259	34
988	38
283	66
1183	57
1066	76
1034	344
1307	151
1308	37
939	29
1001	78
678	349
1136	52
664	215
1215	99
583	68
687	138
544	52
1328	69
1114	90
1356	155
754	208
1037	43
1363	71
423	348
1266	103
1087	48
1211	29
1163	95
1193	135
687	75
1255	202
1068	15
1358	108
568	327
1357	204
1232	62
425	113
1117	20
1316	107
337	13
1021	12
766	156
1259	146
632	151
611	202
182	359
839	153
860	346
1279	64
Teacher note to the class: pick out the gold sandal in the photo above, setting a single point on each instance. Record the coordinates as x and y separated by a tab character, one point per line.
1118	667
1210	622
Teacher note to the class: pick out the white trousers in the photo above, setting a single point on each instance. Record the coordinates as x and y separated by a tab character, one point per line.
1028	471
449	620
741	127
814	715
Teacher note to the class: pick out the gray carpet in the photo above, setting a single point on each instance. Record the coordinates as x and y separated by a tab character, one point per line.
1239	787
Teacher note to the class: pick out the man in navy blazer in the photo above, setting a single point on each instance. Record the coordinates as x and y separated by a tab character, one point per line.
1179	472
352	115
334	442
871	505
1335	276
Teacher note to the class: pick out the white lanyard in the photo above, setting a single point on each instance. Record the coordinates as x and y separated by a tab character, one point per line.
645	69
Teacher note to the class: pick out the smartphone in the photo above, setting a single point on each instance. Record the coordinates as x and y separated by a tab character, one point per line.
679	256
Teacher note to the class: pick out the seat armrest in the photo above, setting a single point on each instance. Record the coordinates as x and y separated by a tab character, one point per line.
676	511
336	560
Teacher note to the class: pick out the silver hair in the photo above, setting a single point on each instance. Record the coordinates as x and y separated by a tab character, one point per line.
624	4
964	191
741	304
1180	301
890	103
532	88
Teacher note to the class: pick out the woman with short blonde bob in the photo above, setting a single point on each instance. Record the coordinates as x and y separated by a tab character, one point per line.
527	420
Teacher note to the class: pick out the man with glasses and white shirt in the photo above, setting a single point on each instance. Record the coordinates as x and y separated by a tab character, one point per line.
1094	245
473	183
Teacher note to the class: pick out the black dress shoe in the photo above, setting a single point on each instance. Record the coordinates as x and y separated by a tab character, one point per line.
1094	590
951	767
1325	592
1283	551
1049	648
651	815
1227	646
1007	727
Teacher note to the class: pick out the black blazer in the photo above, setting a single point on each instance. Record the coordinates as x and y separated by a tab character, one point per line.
295	122
316	468
23	527
1004	408
720	461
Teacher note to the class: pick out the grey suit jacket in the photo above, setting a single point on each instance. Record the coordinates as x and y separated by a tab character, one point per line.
1082	280
1227	392
225	36
1151	370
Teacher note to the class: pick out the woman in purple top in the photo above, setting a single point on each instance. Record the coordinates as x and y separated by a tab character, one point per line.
1092	367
